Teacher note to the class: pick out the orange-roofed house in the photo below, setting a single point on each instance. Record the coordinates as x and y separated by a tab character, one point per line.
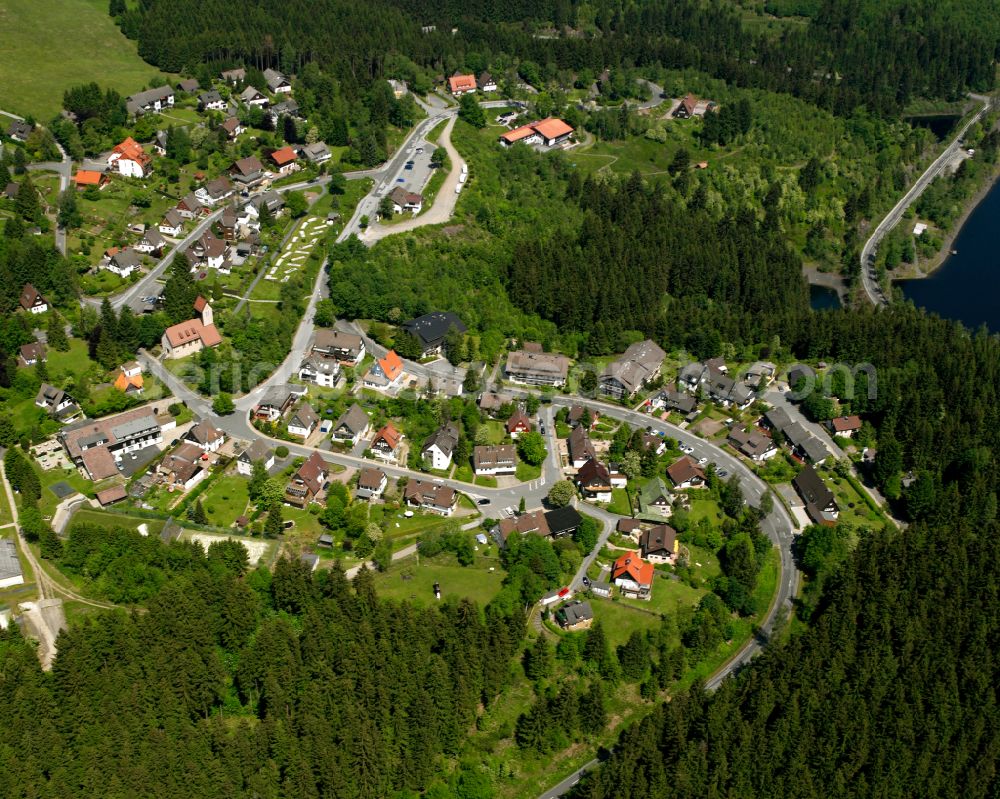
385	372
386	443
553	131
633	576
461	84
85	178
524	134
131	384
130	160
284	159
187	338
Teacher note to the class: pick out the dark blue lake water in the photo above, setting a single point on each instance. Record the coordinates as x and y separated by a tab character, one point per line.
821	298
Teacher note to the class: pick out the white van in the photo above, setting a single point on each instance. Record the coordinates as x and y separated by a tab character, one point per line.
465	169
462	178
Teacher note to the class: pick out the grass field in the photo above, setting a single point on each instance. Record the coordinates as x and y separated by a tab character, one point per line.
109	520
408	580
50	45
225	500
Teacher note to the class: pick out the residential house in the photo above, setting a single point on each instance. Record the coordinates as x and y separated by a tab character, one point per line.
759	374
11	190
19	130
518	423
276	402
32	301
494	459
576	413
30	354
639	365
672	400
563	521
633	576
581	448
150	101
845	426
253	98
124	262
659	544
129	380
801	376
257	451
536	368
303	421
352	426
316	153
111	496
85	178
248	172
433	497
439	447
753	444
371	483
821	505
386	443
276	82
385	372
310	559
205	436
232	126
629	526
270	199
575	616
215	191
183	468
322	372
431	330
284	159
549	132
228	224
685	473
210	251
691	106
212	101
234	76
187	338
532	522
725	391
461	84
403	200
655	499
804	444
97	444
485	82
130	160
601	589
594	479
691	376
172	224
525	134
286	108
56	402
776	419
150	242
651	442
491	402
11	573
191	207
308	483
160	143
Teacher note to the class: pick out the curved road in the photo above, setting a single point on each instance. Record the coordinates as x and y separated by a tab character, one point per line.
869	279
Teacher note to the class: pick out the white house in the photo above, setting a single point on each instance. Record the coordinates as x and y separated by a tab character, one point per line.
320	371
439	447
206	437
124	262
258	451
130	160
303	421
499	459
172	224
276	82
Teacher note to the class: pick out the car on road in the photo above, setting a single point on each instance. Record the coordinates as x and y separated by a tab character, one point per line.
702	461
420	150
722	473
401	180
686	449
509	511
484	501
541	429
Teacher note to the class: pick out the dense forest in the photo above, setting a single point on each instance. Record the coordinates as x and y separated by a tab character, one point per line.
853	52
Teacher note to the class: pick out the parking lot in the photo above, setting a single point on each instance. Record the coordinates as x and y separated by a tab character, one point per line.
415	173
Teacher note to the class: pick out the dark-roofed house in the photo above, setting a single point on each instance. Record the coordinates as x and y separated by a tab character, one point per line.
639	365
491	401
172	224
753	444
257	451
346	348
575	616
431	329
821	505
276	402
439	447
308	483
655	499
124	262
20	130
316	153
56	402
251	96
30	354
581	448
537	368
801	372
215	191
533	522
685	473
232	126
190	206
385	445
352	426
303	421
628	526
32	301
563	521
183	467
234	76
430	496
188	85
10	565
212	101
205	436
321	371
804	444
276	82
150	101
659	544
485	82
494	459
247	171
594	479
403	200
371	483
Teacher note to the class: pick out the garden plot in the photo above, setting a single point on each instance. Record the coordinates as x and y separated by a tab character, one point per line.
297	250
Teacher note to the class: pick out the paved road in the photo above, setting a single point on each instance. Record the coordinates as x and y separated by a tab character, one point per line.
869	279
64	169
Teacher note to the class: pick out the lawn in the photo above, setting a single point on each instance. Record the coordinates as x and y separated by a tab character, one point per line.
50	45
6	517
498	431
409	580
225	500
108	520
705	509
621	620
668	596
526	472
463	473
619	502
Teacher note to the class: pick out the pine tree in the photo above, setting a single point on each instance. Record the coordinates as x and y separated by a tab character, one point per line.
56	332
274	523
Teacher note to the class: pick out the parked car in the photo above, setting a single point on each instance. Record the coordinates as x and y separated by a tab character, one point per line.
484	501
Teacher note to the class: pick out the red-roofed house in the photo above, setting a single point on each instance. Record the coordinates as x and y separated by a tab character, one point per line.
462	84
845	426
85	178
385	372
284	159
633	576
130	160
386	443
187	338
553	131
